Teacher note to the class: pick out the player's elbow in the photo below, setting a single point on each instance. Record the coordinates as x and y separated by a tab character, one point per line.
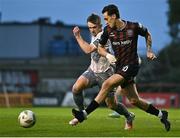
90	50
87	52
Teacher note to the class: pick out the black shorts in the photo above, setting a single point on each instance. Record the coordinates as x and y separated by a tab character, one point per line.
128	72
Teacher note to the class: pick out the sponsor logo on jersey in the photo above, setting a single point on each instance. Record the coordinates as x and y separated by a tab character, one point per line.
122	43
116	43
127	42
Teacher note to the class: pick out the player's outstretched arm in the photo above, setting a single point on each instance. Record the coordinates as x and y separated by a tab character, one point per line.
150	53
87	48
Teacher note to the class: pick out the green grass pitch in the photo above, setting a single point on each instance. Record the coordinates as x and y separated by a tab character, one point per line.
54	122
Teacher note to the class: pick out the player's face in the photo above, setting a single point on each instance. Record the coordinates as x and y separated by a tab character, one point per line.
109	20
93	28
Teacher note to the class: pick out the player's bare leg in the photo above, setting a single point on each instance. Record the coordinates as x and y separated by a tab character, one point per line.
131	92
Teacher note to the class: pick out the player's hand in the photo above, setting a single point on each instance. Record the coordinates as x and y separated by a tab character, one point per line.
76	31
151	55
111	58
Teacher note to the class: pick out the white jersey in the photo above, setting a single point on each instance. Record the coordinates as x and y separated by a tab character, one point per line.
99	63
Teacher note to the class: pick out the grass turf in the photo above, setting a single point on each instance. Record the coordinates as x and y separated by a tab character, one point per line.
54	122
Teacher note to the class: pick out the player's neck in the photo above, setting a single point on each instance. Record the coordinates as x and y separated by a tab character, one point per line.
120	24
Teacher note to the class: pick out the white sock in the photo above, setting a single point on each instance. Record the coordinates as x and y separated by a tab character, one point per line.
160	114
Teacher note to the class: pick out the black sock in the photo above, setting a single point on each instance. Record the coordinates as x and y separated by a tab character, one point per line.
91	107
152	110
79	100
122	110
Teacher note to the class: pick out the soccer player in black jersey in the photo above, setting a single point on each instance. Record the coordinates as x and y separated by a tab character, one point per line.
98	71
124	37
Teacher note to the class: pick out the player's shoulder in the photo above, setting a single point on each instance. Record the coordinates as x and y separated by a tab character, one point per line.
133	24
106	28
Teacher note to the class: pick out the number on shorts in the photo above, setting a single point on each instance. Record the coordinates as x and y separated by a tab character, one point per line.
125	68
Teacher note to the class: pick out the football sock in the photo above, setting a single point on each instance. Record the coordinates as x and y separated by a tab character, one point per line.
79	100
122	110
91	107
152	110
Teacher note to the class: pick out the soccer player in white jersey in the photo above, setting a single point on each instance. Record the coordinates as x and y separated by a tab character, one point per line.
99	70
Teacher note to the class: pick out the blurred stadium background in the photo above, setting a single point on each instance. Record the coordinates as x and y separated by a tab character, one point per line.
40	61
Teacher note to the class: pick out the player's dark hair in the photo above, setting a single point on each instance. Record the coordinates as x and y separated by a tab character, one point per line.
111	9
95	19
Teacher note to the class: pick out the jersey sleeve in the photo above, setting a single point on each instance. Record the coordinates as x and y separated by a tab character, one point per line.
141	30
104	37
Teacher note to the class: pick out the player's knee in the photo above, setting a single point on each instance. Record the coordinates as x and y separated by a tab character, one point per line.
134	101
75	89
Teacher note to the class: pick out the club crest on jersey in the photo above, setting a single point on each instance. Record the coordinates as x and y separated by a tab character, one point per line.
130	33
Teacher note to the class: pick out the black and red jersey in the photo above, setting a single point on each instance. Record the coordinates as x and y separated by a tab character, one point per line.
124	41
